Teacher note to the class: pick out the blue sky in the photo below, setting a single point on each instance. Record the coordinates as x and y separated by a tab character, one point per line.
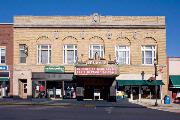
168	8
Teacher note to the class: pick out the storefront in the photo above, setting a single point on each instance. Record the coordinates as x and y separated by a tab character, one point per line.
97	81
140	89
53	83
174	85
4	81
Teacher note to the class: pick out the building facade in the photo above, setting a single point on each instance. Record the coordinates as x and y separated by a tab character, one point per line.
174	77
93	57
6	59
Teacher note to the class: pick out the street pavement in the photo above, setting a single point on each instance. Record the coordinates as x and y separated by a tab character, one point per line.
83	110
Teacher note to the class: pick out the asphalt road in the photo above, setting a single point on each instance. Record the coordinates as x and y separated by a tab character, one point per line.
103	111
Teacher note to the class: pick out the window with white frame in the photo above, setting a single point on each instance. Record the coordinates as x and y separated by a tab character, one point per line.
44	54
2	55
148	54
70	54
123	54
96	49
22	53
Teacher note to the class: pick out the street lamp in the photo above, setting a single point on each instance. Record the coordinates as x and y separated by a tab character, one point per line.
155	74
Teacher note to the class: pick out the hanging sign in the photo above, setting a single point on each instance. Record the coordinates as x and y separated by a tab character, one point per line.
3	67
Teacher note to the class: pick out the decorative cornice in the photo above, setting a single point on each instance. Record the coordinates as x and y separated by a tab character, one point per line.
92	26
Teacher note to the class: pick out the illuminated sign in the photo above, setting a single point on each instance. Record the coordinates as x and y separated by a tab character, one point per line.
3	67
94	70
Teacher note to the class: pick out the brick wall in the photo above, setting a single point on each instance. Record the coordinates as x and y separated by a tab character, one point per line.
6	40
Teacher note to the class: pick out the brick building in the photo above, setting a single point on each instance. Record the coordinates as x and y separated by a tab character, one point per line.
6	58
99	57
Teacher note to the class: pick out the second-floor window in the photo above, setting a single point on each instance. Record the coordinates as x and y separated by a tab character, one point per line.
123	54
44	54
22	51
2	55
70	54
96	49
148	54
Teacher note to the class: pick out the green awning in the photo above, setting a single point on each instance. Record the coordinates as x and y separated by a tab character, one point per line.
139	82
174	81
4	79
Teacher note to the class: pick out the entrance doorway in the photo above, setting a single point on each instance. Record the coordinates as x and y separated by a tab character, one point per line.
54	89
23	88
96	88
96	92
135	92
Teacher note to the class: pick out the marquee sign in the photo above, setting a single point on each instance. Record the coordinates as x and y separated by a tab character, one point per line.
94	70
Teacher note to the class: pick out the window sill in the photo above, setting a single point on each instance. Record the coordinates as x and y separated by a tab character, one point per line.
124	64
22	64
3	64
68	64
150	65
39	64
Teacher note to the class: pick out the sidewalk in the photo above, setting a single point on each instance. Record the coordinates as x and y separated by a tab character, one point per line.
161	106
69	102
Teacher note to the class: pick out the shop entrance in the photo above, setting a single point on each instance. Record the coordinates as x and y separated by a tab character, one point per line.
96	88
53	89
23	88
4	88
96	92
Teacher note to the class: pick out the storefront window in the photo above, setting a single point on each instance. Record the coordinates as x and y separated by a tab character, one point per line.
123	54
70	54
44	54
96	49
148	54
2	55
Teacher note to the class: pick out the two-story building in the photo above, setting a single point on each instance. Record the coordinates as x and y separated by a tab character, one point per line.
6	59
174	77
98	55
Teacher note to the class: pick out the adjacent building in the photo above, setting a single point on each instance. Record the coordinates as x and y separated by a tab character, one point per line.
6	59
174	77
93	57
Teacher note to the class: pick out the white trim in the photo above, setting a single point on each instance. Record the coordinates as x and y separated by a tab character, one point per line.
126	50
153	53
101	50
65	49
39	52
1	55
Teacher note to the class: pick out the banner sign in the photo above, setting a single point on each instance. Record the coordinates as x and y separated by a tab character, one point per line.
54	69
3	67
92	70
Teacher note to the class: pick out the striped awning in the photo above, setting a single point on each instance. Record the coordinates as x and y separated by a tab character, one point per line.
174	81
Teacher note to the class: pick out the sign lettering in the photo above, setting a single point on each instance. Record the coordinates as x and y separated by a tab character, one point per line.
54	69
91	70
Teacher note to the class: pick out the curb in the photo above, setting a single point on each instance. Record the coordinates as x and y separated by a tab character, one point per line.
160	107
44	104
